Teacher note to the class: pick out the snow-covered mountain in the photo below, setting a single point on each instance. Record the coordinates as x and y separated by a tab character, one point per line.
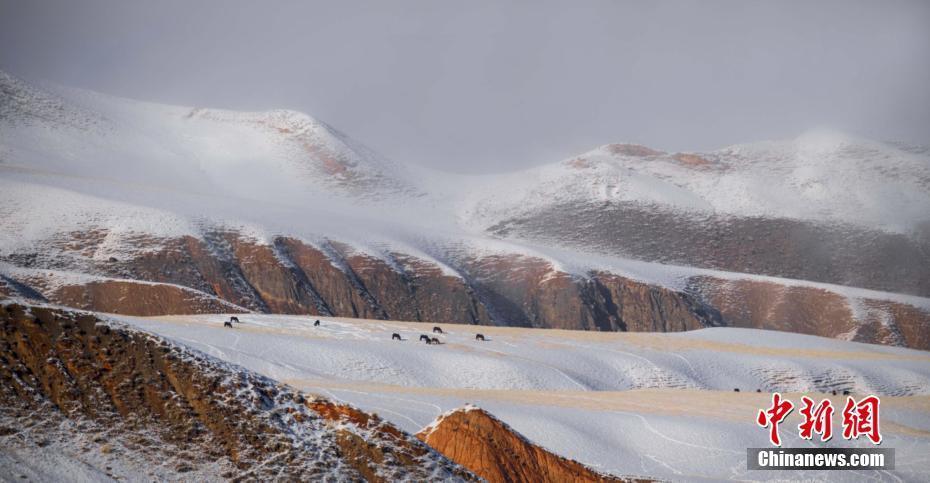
661	405
824	206
120	205
821	176
275	155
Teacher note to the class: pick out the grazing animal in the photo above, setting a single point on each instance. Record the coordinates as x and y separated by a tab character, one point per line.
434	340
424	337
437	330
228	323
758	390
846	392
317	323
479	336
735	389
234	319
395	336
834	392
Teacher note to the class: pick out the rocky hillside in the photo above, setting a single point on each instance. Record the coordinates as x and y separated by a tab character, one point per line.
124	206
824	206
843	254
495	452
82	394
227	273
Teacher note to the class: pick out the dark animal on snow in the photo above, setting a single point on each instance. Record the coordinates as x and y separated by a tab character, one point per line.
758	390
434	341
479	336
846	392
424	337
395	336
437	330
316	324
234	319
735	389
227	324
834	392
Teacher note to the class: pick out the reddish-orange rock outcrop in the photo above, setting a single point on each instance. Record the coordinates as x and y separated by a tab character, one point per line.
495	452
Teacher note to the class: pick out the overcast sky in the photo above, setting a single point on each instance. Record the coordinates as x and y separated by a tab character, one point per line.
492	85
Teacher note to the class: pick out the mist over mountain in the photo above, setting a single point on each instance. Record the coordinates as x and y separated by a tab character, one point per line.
110	201
489	87
433	241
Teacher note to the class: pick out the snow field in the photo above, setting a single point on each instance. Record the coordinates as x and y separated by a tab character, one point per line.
651	404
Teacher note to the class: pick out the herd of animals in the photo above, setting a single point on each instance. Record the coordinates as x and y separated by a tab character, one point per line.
395	336
435	341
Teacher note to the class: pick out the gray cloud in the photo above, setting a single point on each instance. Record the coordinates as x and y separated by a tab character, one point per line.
478	86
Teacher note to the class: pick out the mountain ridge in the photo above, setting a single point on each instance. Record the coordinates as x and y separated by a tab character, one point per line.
221	207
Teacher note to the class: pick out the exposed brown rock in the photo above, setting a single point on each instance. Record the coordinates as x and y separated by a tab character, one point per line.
895	323
814	311
205	264
389	287
333	285
689	159
440	297
632	150
832	253
409	288
579	163
492	450
159	402
132	298
767	305
296	277
527	291
640	307
280	287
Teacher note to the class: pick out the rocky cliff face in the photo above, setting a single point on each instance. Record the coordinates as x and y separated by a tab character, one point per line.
527	291
815	311
134	298
226	272
130	401
290	276
492	450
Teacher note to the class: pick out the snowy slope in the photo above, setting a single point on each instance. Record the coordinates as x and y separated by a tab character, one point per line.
74	162
822	175
270	155
71	138
178	166
656	404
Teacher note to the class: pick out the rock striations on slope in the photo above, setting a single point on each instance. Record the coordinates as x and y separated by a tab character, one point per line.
120	403
117	205
494	451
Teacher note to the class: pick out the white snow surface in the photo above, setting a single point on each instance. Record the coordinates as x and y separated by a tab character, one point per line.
72	161
822	176
658	405
75	161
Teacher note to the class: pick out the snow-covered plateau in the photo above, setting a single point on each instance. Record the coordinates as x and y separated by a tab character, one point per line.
661	405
